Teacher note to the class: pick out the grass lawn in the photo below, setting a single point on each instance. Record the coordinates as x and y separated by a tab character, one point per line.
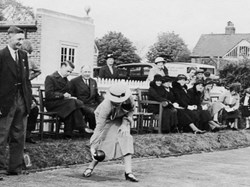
52	153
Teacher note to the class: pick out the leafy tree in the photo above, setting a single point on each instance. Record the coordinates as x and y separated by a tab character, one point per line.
236	72
169	46
12	10
118	45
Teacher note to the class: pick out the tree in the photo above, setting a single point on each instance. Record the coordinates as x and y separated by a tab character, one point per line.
119	46
236	72
169	46
12	10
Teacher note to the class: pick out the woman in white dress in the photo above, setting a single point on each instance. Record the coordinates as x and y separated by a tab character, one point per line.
112	132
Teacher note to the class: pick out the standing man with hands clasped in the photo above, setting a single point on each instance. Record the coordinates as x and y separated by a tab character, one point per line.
15	101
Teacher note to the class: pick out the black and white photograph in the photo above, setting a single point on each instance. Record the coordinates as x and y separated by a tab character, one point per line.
101	93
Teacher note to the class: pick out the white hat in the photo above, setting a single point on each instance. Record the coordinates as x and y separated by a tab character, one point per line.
118	93
159	59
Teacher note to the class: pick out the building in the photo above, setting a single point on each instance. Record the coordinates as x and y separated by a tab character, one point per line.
215	48
56	37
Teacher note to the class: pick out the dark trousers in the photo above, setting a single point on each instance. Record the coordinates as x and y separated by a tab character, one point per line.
90	115
31	123
73	121
12	128
169	120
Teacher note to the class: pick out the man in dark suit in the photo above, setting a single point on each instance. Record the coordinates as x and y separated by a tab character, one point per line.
85	88
15	101
59	99
109	71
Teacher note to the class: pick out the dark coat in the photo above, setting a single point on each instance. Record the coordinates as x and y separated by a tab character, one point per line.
181	96
203	116
55	87
156	93
105	73
195	97
9	79
87	94
185	116
169	114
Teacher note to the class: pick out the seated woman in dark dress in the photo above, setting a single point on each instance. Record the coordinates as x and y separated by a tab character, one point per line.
204	117
186	117
157	92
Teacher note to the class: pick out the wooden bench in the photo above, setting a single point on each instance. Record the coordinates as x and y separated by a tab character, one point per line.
149	122
50	118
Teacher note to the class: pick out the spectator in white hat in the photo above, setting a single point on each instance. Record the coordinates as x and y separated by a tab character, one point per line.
157	69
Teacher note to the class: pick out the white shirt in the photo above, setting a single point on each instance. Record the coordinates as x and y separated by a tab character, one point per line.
111	69
246	101
86	81
12	52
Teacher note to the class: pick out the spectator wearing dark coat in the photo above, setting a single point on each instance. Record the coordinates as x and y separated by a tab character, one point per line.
85	89
204	117
109	71
157	92
185	114
58	99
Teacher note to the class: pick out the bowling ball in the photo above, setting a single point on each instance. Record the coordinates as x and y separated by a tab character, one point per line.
100	155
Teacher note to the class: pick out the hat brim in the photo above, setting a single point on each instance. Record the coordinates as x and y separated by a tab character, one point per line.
118	99
159	62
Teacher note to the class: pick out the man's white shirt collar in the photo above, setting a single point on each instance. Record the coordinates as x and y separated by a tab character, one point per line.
12	52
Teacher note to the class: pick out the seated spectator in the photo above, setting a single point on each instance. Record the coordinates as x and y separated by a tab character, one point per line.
191	77
158	69
207	75
34	68
206	98
109	71
85	89
245	107
228	106
157	92
205	121
59	99
34	71
185	114
199	74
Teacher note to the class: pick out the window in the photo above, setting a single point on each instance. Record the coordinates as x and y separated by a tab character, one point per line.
68	53
146	70
135	71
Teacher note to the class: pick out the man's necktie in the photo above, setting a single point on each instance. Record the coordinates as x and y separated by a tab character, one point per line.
87	82
16	57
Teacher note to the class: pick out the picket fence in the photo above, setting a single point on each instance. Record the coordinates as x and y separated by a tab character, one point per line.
104	84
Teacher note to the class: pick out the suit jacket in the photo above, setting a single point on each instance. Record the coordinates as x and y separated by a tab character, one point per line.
55	87
9	78
87	94
105	72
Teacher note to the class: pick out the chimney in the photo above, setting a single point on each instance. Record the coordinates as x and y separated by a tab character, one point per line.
230	29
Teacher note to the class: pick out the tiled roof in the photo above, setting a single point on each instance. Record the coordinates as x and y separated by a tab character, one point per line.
217	44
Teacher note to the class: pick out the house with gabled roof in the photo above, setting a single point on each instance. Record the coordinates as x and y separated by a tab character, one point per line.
230	46
55	37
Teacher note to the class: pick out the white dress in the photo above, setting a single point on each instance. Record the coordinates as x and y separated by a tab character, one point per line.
107	135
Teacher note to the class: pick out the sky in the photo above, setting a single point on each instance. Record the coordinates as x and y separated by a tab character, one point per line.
141	21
